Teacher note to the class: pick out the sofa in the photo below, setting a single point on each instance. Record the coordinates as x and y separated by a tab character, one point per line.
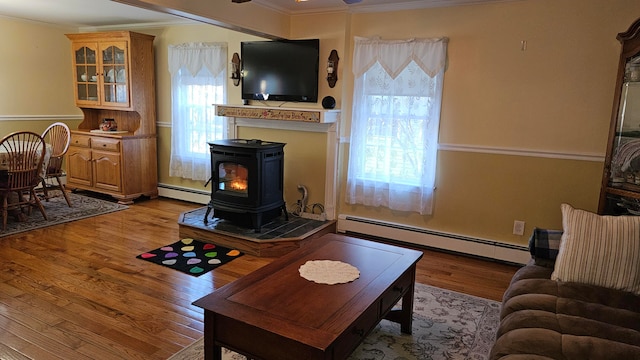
579	296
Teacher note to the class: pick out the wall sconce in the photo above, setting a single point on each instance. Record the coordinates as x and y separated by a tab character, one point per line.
332	68
235	69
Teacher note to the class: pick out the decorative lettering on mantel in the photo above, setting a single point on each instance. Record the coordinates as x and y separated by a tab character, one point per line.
269	114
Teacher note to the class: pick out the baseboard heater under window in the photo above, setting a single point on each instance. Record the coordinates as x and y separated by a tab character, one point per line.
184	194
450	242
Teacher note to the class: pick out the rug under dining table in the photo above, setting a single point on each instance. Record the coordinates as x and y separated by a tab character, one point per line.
59	212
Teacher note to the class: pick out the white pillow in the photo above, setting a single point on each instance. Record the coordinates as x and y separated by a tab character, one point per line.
599	250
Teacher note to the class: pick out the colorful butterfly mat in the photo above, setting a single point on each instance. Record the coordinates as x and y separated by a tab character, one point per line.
191	256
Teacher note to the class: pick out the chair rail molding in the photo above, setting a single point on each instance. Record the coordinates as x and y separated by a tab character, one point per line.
40	117
523	152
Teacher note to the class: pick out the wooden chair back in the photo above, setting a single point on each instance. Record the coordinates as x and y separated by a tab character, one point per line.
22	154
58	136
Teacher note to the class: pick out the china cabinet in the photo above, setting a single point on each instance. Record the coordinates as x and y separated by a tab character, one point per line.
620	191
114	81
101	73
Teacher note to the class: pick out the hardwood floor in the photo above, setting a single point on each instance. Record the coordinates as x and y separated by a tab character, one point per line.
77	291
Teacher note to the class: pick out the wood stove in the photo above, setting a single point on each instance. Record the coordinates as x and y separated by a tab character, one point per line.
247	181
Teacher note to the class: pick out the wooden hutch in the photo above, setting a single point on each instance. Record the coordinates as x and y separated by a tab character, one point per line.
620	191
114	78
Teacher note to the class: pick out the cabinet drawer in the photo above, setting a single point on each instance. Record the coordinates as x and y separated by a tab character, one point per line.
105	144
80	140
352	337
394	293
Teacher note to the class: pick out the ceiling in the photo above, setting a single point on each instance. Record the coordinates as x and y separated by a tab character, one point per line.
105	13
78	13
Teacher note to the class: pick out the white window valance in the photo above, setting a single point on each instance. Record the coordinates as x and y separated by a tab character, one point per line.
394	56
195	56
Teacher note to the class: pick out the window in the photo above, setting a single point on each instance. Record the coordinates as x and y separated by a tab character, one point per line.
394	129
198	80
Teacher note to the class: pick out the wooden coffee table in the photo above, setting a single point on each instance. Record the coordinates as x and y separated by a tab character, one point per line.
275	314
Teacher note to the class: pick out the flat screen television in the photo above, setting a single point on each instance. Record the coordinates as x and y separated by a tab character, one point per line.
280	70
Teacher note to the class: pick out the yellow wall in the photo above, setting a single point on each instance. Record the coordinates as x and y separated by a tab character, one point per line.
555	97
481	195
35	85
304	161
521	131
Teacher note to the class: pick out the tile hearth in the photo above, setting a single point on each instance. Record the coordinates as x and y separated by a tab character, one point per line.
277	237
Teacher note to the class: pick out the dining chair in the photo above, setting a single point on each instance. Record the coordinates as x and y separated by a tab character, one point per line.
58	136
21	155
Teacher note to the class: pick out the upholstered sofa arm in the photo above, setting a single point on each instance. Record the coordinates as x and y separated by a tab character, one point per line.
544	245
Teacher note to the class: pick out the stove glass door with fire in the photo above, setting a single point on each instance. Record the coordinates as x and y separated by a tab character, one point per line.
248	181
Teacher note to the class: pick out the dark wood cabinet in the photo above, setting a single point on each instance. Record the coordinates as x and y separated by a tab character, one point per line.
620	191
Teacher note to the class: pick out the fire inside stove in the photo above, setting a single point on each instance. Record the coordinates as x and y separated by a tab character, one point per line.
233	177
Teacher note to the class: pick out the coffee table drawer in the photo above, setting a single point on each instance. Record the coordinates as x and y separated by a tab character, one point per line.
395	292
350	339
254	342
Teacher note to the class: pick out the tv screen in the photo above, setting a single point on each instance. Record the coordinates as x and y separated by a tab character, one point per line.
282	70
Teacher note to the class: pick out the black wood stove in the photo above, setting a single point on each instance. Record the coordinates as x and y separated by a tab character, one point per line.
247	181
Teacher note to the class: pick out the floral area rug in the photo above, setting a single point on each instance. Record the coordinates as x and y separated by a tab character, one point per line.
446	325
59	212
190	256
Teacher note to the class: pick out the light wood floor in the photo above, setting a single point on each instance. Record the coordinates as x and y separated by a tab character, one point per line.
77	291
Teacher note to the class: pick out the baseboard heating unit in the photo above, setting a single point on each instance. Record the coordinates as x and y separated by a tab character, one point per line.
439	240
185	194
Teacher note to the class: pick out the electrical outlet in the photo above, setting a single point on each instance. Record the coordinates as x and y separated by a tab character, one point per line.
518	227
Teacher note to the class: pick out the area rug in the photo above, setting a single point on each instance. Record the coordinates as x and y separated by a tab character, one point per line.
446	325
190	256
59	212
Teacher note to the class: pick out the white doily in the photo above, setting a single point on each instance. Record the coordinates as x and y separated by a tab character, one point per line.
328	272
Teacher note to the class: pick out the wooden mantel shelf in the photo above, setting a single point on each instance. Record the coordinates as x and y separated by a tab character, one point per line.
320	116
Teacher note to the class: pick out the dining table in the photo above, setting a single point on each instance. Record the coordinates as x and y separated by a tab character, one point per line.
45	162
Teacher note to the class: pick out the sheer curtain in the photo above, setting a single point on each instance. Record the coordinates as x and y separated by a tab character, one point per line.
198	80
395	121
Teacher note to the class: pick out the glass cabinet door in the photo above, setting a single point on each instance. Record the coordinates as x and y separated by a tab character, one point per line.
86	73
114	70
620	190
625	160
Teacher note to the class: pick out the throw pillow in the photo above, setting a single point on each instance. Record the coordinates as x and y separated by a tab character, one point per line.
599	250
544	245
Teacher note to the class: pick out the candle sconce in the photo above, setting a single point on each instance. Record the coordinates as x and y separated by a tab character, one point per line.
332	68
235	69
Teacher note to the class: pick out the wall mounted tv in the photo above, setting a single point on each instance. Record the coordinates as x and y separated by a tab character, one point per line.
280	70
